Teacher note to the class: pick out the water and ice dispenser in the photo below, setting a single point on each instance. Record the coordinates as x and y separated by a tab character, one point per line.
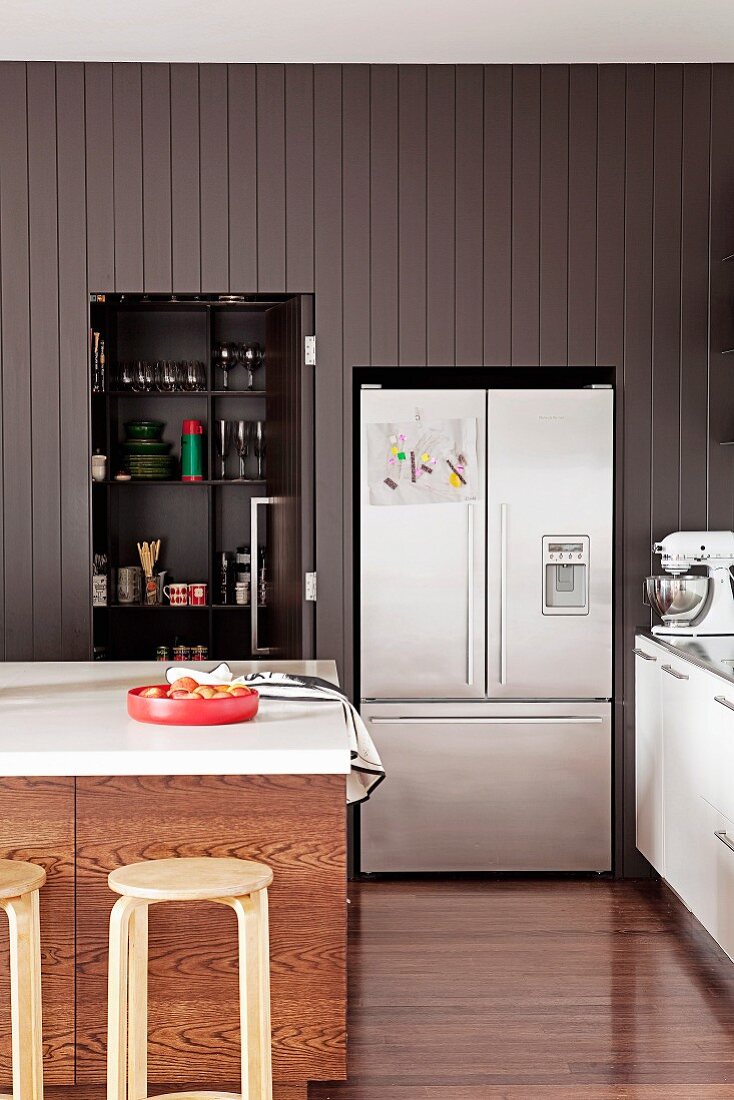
566	575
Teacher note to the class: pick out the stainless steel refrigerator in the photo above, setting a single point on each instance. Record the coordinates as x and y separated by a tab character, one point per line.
486	628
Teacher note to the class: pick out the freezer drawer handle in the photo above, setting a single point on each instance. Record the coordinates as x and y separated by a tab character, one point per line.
671	672
255	646
724	702
470	595
720	834
494	720
645	656
503	593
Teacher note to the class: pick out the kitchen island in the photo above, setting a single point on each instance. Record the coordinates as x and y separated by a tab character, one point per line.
85	789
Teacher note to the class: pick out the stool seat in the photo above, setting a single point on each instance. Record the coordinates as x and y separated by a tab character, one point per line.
18	878
195	879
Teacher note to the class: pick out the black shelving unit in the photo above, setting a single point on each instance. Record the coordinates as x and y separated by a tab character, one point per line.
194	520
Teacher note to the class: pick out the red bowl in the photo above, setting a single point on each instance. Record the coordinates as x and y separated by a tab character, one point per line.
191	712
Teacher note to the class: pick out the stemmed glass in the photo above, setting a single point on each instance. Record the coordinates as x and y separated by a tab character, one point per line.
223	438
165	371
138	379
259	446
225	356
125	375
252	360
241	441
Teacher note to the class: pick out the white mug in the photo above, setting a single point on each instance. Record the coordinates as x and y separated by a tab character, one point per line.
178	594
99	467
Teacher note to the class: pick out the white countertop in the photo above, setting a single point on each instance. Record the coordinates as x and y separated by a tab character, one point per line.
714	654
70	718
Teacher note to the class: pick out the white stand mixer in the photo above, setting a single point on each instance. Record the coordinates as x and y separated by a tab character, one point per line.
694	606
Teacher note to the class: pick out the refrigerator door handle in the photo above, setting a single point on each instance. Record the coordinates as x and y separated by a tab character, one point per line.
503	594
469	594
494	720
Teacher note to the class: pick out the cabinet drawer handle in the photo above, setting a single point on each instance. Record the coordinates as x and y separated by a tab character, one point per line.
724	702
720	834
671	672
645	656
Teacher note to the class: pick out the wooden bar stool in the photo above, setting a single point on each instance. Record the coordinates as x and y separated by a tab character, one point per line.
19	886
239	883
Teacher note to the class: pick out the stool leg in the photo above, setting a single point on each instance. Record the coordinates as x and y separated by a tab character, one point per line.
137	999
254	963
25	995
117	991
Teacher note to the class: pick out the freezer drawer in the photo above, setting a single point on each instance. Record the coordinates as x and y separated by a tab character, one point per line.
490	787
422	568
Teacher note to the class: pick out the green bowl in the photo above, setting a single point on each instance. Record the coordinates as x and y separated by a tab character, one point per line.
144	429
146	447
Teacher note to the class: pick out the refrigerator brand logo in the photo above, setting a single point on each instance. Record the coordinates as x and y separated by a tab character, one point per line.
544	416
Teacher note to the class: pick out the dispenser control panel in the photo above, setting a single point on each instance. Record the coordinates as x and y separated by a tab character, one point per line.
565	574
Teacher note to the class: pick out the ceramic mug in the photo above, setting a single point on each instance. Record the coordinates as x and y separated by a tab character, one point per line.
99	467
197	594
129	584
177	594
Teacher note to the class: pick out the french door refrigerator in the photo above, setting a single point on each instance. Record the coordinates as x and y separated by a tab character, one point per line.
486	534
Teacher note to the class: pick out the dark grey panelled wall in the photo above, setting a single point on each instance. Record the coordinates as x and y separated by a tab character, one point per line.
440	215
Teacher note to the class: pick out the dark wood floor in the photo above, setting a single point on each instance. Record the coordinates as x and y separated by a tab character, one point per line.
525	989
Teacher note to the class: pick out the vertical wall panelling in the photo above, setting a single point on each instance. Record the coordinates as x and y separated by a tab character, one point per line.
525	215
73	364
441	215
242	128
554	216
128	176
637	380
214	177
299	178
271	179
582	153
384	215
329	394
721	367
185	180
44	360
156	99
356	284
666	373
469	331
99	164
17	440
498	89
610	184
694	296
412	186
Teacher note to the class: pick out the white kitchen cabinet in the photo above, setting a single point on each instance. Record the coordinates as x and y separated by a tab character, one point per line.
649	754
685	693
719	778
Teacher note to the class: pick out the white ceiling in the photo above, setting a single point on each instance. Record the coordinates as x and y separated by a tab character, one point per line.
439	31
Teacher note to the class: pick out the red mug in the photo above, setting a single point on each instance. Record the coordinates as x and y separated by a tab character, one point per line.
177	594
197	594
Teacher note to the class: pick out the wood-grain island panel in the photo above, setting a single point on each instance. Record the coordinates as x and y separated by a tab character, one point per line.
295	824
37	825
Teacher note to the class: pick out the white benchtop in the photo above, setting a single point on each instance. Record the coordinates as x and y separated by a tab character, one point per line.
70	718
714	654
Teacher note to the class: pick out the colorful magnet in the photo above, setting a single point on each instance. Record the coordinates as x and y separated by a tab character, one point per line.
391	461
401	456
390	483
412	466
428	469
455	480
455	472
393	450
425	456
402	437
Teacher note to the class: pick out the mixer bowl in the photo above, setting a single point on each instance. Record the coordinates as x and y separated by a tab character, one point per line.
679	599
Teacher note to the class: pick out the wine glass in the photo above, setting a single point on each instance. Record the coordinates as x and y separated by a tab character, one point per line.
223	439
252	359
165	375
125	375
241	442
138	379
191	375
225	356
259	446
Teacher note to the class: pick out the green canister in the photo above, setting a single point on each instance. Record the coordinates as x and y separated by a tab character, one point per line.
192	451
